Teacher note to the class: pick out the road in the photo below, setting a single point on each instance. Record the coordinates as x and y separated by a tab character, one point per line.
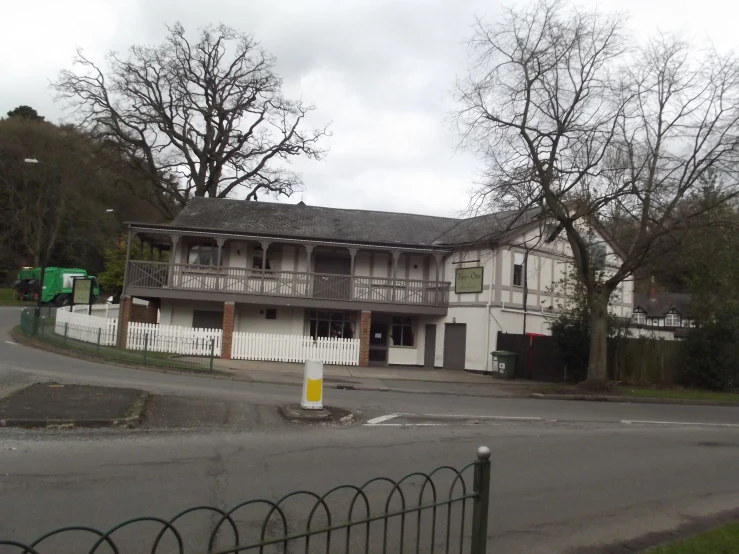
566	475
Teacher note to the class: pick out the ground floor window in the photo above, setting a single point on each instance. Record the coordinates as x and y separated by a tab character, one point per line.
331	324
402	331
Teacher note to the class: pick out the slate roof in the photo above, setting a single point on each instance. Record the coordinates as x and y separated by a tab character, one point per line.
663	303
365	226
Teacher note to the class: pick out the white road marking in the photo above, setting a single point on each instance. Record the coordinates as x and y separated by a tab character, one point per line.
461	416
406	425
377	420
11	342
381	421
630	421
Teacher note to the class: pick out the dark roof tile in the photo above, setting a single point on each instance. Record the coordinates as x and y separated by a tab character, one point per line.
663	303
302	221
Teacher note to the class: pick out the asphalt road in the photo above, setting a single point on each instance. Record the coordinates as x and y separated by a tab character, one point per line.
568	476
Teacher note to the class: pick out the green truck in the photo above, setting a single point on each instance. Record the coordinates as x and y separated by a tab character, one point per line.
58	282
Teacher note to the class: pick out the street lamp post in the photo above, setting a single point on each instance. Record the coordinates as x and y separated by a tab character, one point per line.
45	248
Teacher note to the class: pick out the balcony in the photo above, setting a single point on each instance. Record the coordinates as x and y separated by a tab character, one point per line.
314	290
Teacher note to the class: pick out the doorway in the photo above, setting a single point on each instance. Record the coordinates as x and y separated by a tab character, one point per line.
455	345
378	343
429	349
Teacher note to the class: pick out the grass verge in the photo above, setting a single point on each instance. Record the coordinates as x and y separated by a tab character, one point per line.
680	394
7	298
133	358
674	393
722	540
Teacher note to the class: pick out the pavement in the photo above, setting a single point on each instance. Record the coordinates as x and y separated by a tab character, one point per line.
396	378
566	476
47	404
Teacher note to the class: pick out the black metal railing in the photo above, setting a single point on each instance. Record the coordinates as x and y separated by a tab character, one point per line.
422	512
162	275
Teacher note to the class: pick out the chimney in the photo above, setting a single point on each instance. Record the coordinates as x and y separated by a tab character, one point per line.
652	290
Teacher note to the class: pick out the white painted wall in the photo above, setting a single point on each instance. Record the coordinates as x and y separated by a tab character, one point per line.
252	318
402	355
179	312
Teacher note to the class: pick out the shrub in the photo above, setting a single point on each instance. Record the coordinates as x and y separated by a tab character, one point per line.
713	352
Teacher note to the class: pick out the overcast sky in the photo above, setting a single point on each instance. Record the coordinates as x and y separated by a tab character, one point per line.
380	71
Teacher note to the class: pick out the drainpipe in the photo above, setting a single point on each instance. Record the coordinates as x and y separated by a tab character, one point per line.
488	362
525	287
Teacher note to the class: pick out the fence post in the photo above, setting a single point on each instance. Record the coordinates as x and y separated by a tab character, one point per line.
100	330
481	488
212	350
146	345
66	330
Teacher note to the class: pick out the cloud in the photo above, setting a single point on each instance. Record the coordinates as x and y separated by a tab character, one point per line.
379	70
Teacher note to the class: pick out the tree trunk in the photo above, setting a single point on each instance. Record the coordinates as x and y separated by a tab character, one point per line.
597	363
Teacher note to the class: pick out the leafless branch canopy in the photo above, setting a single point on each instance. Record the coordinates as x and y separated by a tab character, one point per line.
208	118
570	117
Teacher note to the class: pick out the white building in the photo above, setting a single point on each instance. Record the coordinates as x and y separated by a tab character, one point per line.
415	290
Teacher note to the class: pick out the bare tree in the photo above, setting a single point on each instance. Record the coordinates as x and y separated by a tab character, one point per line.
573	120
208	118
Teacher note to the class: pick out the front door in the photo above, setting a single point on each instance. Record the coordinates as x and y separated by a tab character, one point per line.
378	343
455	345
429	353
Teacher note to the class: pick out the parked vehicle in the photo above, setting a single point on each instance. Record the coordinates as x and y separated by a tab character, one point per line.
58	283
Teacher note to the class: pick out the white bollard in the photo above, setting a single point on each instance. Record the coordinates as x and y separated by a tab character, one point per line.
312	386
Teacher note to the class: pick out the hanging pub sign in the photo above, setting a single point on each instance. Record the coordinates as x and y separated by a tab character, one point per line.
468	280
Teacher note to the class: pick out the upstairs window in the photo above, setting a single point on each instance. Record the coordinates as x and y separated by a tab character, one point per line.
640	318
672	319
256	262
203	255
517	269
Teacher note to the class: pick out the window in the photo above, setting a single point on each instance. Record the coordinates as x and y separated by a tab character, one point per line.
270	313
597	255
517	269
202	255
206	319
640	318
331	324
402	331
256	262
672	320
687	322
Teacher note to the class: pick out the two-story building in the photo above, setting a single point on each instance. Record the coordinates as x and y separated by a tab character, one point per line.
415	290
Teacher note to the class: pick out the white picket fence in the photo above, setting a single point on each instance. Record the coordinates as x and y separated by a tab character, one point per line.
294	348
173	339
86	328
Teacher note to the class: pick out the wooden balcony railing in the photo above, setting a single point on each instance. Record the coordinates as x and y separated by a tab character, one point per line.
145	274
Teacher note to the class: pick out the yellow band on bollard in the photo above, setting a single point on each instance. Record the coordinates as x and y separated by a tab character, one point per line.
313	390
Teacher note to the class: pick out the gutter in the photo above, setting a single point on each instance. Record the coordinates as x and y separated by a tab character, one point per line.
277	238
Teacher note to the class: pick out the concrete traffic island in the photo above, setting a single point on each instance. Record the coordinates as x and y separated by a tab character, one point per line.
327	414
56	406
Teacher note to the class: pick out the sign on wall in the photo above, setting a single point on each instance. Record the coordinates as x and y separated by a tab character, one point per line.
468	280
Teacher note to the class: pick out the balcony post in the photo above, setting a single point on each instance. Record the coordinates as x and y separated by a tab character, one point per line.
353	254
265	247
396	255
309	285
437	293
172	255
219	261
128	260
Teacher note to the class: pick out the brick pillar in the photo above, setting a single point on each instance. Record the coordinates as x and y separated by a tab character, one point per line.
364	338
124	317
228	329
